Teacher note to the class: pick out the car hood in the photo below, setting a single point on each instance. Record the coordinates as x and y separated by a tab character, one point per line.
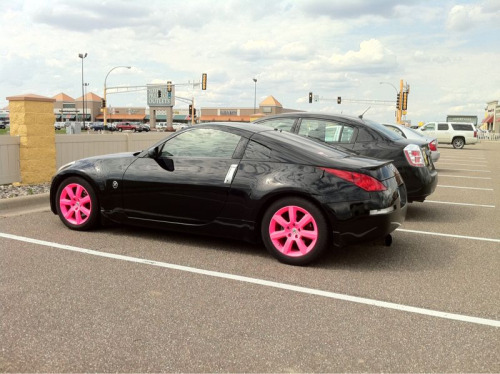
112	165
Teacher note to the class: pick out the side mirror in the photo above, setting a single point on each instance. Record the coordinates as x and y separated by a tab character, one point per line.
154	152
166	163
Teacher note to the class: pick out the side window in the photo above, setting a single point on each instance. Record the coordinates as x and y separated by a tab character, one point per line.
462	127
347	134
325	131
429	127
285	124
443	126
256	151
201	143
364	136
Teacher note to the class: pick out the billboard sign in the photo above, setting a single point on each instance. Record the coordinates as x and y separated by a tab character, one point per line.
158	96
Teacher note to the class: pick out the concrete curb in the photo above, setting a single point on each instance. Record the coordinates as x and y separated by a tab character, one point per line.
24	204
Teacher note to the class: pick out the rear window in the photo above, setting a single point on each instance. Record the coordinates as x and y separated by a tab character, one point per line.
382	129
462	127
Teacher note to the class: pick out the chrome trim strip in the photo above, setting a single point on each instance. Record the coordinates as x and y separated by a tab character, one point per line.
382	211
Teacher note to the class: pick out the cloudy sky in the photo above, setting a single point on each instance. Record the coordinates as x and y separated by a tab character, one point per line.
448	52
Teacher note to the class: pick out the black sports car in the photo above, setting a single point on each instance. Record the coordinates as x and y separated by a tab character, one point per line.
412	157
242	181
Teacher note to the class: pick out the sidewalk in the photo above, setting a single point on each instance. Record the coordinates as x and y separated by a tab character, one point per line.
24	205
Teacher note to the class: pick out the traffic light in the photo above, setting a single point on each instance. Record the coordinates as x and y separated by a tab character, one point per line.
103	103
339	99
204	81
405	101
169	86
159	93
190	109
397	101
310	97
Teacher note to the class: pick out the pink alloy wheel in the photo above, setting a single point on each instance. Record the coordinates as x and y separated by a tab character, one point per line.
75	204
293	231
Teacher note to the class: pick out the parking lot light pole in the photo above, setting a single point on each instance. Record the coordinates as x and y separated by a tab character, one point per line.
82	56
105	109
398	118
255	96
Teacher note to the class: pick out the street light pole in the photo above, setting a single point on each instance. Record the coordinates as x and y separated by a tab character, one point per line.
85	104
398	115
255	96
105	109
82	56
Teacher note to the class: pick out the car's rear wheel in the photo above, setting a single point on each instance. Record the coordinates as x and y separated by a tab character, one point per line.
77	204
295	231
458	143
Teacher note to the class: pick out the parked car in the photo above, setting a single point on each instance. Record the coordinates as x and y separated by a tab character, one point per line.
367	138
457	134
180	126
409	133
241	181
141	127
3	125
59	125
482	134
123	126
96	126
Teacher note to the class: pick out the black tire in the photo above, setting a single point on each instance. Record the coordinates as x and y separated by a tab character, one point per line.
77	204
458	143
283	245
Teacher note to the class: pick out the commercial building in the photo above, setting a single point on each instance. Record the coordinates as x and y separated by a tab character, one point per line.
68	109
491	121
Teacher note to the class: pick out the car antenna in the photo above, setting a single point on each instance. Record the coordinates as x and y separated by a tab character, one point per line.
362	114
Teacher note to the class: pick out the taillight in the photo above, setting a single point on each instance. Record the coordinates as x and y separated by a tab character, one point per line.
475	133
363	181
414	155
433	145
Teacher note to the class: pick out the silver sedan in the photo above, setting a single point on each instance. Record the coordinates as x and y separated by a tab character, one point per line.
409	133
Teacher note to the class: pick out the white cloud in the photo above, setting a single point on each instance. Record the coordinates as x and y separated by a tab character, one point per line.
465	17
333	48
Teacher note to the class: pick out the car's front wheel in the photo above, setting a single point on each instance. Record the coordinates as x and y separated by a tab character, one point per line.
458	143
295	231
77	204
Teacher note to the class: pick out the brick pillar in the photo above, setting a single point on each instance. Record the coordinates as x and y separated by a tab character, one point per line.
32	119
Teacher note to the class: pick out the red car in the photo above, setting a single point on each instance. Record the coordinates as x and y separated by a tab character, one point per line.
121	126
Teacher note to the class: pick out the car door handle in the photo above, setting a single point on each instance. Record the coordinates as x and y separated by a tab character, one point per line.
230	174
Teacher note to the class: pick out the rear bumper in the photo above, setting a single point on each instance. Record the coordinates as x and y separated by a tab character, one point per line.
364	225
369	228
435	155
420	182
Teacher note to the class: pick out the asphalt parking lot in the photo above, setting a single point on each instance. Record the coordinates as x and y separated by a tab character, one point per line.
124	299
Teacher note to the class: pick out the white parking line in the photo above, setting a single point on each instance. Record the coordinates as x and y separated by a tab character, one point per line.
262	282
462	176
451	235
479	171
466	188
454	163
457	159
463	204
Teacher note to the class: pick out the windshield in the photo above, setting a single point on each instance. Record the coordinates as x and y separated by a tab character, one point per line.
381	128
